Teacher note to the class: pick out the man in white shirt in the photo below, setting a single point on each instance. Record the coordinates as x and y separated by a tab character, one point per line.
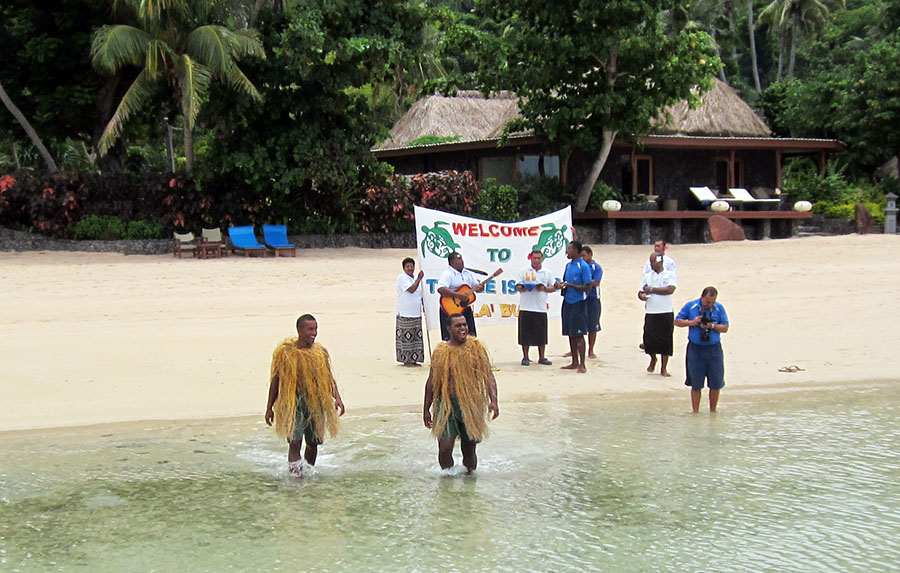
659	318
408	327
454	278
533	285
659	248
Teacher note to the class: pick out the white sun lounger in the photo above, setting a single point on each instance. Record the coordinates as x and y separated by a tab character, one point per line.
706	196
744	196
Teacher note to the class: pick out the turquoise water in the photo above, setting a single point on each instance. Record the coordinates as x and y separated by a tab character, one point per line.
778	480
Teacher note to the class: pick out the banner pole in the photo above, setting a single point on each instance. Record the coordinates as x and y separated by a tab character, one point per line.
427	333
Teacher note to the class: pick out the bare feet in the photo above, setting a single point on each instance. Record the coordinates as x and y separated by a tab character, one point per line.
567	366
567	355
592	355
652	366
666	374
582	369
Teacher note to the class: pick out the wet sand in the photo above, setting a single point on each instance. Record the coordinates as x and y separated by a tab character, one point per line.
92	338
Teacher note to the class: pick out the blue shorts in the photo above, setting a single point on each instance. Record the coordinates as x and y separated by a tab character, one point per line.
592	306
574	318
704	363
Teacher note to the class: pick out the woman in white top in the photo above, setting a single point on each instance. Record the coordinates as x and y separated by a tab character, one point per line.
410	348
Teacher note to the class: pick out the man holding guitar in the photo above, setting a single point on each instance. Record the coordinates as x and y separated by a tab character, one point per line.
457	287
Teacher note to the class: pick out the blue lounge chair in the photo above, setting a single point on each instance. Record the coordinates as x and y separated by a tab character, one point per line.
244	238
276	239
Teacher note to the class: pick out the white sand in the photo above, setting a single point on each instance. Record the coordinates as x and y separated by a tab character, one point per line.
93	338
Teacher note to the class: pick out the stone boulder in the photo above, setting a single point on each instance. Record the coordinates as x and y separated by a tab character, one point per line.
724	229
865	224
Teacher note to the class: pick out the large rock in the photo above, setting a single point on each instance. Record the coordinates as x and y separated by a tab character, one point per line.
724	229
865	224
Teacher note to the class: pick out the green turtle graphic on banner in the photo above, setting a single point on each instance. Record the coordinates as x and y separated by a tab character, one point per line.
551	240
438	240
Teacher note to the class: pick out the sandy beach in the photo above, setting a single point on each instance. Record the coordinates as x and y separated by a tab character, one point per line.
97	338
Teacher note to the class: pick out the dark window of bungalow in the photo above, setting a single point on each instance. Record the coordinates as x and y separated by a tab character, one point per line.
543	165
500	169
722	174
644	166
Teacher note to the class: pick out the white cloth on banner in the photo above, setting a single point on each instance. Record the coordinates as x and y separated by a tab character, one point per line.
487	246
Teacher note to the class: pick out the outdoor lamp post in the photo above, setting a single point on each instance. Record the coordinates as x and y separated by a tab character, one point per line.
890	214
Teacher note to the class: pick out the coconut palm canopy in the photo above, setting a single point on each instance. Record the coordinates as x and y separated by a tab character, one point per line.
471	117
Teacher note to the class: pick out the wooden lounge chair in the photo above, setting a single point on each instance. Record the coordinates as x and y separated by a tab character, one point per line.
707	196
244	238
214	237
276	239
183	243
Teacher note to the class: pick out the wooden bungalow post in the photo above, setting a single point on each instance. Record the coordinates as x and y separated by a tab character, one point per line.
634	171
778	160
731	169
823	163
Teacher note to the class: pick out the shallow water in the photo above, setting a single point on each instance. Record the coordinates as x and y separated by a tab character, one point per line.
777	480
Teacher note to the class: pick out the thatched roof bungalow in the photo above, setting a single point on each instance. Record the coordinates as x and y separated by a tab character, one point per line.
722	143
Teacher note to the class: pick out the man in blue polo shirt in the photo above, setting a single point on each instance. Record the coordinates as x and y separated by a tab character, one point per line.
706	321
576	282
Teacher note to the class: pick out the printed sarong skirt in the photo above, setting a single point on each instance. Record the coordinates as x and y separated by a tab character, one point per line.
410	348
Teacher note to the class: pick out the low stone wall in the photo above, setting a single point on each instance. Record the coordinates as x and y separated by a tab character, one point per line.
17	241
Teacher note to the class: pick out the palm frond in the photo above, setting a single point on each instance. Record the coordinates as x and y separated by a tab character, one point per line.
140	91
247	43
212	46
239	81
194	80
115	46
157	54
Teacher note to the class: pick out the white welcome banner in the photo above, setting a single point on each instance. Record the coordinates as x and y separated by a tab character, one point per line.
487	246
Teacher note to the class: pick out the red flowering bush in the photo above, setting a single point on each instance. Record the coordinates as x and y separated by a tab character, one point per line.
391	207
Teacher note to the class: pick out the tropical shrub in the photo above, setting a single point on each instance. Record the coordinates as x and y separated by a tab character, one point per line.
539	195
497	202
100	227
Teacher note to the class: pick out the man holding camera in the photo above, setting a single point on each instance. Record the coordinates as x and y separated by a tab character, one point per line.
707	321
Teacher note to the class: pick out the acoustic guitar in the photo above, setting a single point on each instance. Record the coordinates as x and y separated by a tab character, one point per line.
453	305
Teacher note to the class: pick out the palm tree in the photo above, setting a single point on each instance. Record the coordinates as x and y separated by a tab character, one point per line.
174	41
26	125
751	26
791	15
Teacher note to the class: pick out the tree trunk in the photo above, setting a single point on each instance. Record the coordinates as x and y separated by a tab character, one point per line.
750	25
795	37
712	30
111	161
188	148
254	11
16	157
781	50
584	192
32	134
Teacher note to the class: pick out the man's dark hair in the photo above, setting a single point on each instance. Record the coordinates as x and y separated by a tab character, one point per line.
304	318
663	241
537	252
577	245
454	315
407	260
587	249
710	291
452	257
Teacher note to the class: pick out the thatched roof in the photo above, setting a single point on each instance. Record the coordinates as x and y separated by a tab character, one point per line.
471	117
468	116
722	112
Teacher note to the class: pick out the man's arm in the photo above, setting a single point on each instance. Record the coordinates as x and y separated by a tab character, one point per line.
659	290
445	291
492	395
429	398
273	394
338	403
415	285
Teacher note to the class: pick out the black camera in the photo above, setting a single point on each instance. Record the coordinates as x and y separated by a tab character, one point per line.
706	318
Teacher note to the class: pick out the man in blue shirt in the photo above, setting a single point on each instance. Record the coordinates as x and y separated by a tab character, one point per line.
576	282
592	298
706	321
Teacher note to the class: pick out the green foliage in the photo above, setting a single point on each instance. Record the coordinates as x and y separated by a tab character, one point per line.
145	230
847	211
100	227
803	182
538	195
305	149
603	192
497	202
432	139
